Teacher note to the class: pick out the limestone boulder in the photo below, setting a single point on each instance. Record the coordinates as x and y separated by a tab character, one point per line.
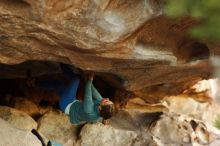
11	136
56	126
99	134
133	127
26	106
174	129
187	105
18	119
127	127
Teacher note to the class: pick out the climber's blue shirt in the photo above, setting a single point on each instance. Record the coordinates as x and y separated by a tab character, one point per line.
88	109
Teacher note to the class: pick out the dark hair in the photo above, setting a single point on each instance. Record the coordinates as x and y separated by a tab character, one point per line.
107	111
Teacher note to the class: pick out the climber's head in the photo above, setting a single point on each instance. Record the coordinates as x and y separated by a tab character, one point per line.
106	108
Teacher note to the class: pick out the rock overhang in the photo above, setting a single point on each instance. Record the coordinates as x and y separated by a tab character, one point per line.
135	42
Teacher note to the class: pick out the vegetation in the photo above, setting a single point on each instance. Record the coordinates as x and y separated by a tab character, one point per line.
217	122
207	11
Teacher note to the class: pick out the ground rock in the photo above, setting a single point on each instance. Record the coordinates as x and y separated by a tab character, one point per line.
17	118
56	126
99	134
174	129
127	127
166	129
11	136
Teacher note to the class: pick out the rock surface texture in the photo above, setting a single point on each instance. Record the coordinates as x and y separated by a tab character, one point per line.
11	136
133	128
132	40
127	127
56	126
17	118
173	129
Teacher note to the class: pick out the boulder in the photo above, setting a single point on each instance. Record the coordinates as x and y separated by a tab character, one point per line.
99	134
26	106
11	136
174	129
127	127
18	119
206	111
133	127
56	126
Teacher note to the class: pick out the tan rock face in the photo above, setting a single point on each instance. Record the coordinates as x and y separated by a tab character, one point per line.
182	130
57	127
99	134
11	136
132	127
26	106
17	118
131	40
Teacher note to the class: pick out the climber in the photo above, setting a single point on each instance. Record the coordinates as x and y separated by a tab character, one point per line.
91	109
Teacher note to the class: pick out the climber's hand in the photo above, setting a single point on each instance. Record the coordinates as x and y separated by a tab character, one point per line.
91	75
88	75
